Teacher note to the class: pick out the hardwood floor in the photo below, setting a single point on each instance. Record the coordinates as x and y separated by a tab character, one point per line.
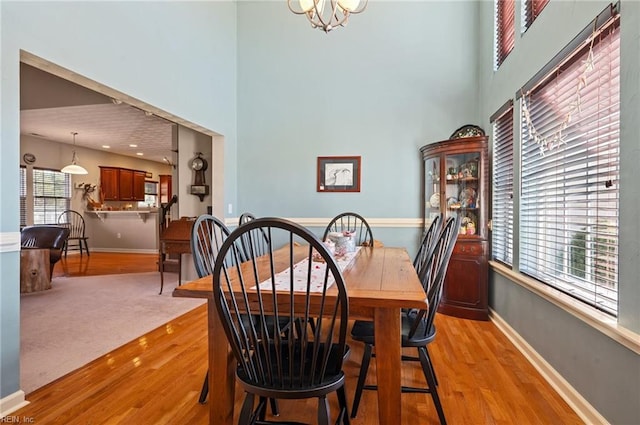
101	263
156	379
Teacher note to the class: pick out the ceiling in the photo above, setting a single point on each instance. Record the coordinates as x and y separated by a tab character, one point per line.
52	108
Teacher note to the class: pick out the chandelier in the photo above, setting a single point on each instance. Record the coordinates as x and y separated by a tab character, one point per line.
327	14
74	168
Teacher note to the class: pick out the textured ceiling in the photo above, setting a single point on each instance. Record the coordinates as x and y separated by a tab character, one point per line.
52	108
117	126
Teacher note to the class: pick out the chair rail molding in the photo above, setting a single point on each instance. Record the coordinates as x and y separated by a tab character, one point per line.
322	222
9	241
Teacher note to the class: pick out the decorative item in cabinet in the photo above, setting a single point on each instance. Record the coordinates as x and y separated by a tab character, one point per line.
456	182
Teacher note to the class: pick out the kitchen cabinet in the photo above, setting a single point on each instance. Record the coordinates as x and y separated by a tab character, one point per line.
165	188
109	184
456	182
121	184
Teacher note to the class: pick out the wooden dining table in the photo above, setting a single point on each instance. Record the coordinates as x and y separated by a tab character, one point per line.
380	282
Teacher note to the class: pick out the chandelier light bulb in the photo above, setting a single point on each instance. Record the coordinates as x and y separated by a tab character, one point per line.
327	14
349	5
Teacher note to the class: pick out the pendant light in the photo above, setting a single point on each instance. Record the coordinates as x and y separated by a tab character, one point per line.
74	168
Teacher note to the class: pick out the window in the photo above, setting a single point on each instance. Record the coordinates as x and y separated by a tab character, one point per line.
505	29
23	196
51	195
502	185
150	195
570	169
530	11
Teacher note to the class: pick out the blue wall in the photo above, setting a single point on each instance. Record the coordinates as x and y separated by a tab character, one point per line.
390	82
178	56
602	370
399	76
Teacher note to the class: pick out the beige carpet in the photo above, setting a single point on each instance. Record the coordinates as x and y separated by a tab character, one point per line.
83	318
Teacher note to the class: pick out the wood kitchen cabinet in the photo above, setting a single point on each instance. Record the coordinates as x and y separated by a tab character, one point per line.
456	182
121	184
165	188
109	184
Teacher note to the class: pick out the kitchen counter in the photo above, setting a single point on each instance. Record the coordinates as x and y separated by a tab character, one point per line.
142	214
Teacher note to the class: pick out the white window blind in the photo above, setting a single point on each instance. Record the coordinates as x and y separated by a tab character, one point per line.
23	196
530	11
502	185
51	195
505	29
570	170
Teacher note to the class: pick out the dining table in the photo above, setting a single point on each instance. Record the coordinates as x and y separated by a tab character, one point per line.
380	281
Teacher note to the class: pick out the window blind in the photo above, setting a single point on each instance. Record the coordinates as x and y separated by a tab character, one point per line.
530	11
570	172
505	29
51	195
23	196
502	185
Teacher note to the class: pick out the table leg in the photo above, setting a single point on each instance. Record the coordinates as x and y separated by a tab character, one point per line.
388	364
221	371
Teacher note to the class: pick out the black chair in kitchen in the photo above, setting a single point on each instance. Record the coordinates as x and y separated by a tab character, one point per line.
418	329
351	222
74	221
272	363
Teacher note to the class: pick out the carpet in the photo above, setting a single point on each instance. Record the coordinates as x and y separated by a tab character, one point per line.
83	318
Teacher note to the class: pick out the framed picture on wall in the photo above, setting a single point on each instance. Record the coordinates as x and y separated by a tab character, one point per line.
338	174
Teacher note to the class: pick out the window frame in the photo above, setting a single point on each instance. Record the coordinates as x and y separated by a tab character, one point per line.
47	207
504	30
599	255
502	216
531	9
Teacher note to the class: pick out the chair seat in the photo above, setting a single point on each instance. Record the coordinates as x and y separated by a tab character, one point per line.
364	331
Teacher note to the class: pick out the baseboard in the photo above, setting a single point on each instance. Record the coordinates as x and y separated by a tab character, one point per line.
125	251
573	398
11	403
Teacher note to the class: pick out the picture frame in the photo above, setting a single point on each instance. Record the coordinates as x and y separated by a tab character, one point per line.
338	174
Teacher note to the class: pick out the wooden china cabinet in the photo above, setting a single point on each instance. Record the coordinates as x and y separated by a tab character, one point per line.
456	180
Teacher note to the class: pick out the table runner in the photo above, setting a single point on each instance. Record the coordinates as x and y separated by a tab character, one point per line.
300	270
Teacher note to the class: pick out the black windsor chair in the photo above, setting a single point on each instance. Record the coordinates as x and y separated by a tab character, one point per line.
428	240
272	363
351	222
207	236
418	329
74	221
255	243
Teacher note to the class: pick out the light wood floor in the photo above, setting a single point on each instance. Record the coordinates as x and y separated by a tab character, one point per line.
156	379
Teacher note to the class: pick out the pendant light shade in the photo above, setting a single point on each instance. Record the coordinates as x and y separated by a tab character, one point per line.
74	168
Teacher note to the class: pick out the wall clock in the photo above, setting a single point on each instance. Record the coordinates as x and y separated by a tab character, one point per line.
29	158
199	187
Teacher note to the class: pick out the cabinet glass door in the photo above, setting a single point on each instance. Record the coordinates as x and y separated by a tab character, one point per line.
432	189
463	189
